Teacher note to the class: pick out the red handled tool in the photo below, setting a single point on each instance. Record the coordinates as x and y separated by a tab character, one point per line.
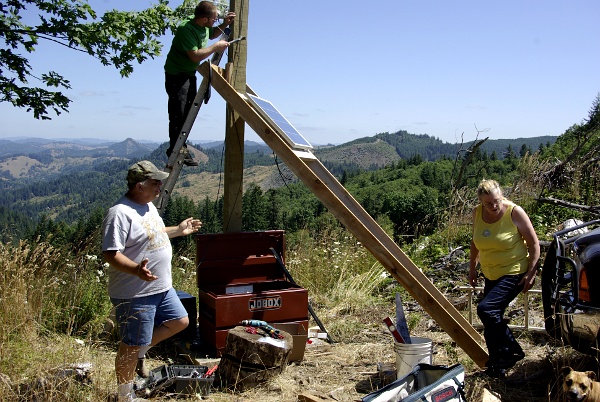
210	371
392	328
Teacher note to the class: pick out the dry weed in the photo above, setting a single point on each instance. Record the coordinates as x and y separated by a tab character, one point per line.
344	282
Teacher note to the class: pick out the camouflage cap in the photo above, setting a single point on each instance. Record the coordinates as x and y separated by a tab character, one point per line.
143	170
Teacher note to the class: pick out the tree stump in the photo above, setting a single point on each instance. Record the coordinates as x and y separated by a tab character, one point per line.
250	359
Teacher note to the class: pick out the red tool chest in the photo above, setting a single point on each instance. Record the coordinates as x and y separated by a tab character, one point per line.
240	279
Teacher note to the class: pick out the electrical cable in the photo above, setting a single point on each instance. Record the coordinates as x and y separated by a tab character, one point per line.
220	174
283	178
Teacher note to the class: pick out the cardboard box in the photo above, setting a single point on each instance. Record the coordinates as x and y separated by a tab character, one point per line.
299	333
316	332
214	339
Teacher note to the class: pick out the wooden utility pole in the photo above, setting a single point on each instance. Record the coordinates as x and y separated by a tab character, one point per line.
234	132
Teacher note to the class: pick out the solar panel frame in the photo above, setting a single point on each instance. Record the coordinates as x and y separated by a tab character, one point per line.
289	133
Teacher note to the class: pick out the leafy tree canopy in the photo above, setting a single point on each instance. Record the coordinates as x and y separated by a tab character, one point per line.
116	38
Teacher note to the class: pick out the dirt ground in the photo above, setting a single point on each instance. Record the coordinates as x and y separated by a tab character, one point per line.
364	361
347	371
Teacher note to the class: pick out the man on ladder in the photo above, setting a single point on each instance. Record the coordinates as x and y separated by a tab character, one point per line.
188	49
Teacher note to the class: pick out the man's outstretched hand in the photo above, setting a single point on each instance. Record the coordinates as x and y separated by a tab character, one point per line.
189	226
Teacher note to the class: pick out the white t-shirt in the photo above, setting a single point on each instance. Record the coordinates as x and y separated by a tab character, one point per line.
138	232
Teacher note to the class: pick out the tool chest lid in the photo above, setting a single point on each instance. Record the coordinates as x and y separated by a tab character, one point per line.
234	258
218	246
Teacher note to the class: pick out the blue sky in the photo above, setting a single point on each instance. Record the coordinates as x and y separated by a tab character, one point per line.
341	70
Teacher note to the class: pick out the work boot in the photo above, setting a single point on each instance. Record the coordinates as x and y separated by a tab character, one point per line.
495	372
141	368
189	158
509	361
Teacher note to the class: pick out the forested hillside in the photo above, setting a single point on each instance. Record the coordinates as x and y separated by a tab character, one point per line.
55	279
37	160
370	153
402	178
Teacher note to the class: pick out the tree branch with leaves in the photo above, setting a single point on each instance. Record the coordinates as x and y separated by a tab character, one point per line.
116	38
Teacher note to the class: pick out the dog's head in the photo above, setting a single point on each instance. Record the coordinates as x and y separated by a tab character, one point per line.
577	384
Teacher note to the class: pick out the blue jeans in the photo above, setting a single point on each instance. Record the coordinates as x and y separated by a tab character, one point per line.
138	317
181	90
499	339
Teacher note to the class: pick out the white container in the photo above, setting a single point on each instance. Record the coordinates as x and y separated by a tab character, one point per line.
316	332
408	355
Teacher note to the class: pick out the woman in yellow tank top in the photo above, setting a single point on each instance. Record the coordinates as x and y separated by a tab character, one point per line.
507	249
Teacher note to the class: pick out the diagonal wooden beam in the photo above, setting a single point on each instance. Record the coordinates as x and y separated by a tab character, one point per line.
351	214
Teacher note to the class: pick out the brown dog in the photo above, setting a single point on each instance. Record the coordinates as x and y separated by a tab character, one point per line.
580	386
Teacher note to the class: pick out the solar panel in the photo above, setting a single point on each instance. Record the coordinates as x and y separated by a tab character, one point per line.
270	113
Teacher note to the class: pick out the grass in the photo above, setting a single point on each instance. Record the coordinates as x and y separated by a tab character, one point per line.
49	300
54	304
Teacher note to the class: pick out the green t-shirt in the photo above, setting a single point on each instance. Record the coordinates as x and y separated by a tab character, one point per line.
189	36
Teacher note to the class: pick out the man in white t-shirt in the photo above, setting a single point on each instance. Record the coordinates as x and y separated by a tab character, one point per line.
136	245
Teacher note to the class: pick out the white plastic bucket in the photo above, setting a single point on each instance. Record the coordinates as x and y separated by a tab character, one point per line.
408	355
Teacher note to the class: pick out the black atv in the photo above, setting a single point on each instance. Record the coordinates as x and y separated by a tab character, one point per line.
571	287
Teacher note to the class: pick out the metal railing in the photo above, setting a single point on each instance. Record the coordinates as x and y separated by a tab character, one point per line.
525	327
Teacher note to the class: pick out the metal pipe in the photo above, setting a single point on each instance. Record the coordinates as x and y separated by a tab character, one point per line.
524	327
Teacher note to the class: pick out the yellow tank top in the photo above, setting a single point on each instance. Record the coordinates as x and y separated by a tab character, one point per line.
502	249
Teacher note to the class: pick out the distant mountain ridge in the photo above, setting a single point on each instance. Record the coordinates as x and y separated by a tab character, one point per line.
75	148
384	148
39	159
68	180
42	159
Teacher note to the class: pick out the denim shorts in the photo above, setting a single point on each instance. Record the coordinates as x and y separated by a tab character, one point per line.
138	317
